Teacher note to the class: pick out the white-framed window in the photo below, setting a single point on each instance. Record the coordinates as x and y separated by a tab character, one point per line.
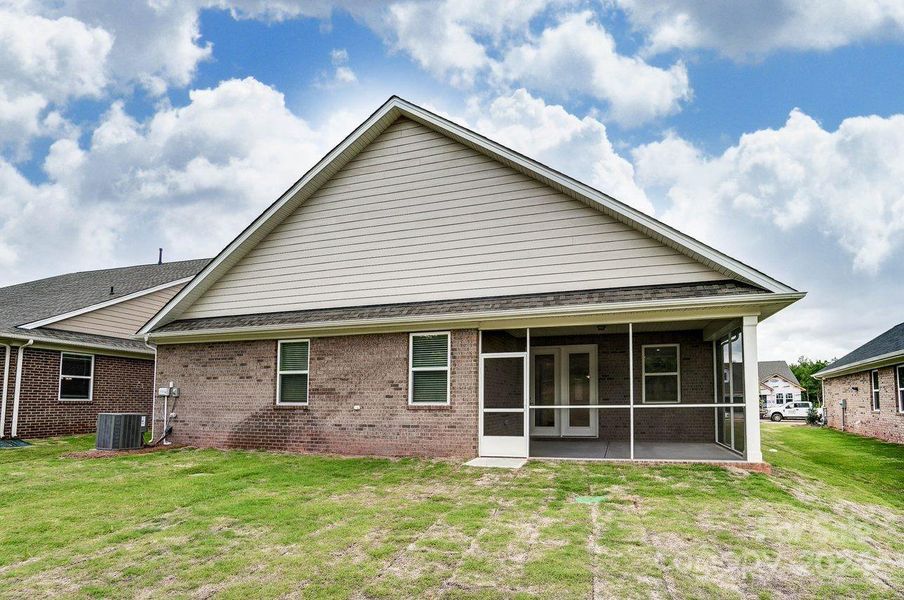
900	371
292	359
779	398
661	374
76	377
429	357
874	388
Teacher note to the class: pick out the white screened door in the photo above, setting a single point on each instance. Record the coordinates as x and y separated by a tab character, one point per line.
579	387
503	427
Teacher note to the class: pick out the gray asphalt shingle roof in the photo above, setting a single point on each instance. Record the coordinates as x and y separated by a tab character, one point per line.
471	305
768	368
885	343
35	300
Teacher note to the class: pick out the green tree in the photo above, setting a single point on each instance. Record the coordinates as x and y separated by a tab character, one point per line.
803	369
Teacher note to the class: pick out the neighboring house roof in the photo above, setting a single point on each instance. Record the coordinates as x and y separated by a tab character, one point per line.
769	368
451	308
884	349
25	307
368	131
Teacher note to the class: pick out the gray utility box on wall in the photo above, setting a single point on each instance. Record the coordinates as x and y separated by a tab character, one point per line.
120	431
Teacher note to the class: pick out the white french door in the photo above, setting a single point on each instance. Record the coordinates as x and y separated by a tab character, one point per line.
503	405
564	376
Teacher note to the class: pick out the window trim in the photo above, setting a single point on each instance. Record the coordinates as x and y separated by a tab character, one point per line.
280	373
412	369
899	372
644	374
875	404
90	379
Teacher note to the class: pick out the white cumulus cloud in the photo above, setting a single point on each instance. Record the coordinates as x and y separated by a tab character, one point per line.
846	183
578	56
754	28
188	178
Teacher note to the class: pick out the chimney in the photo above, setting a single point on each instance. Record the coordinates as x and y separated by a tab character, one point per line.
159	256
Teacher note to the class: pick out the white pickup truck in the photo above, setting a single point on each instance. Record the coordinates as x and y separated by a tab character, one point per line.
792	410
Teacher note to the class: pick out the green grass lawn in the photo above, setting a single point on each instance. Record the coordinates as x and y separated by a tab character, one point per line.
200	523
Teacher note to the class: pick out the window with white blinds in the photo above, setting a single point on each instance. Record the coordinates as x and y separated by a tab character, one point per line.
292	375
429	358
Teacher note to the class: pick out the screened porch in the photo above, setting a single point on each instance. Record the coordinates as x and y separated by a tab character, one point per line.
635	391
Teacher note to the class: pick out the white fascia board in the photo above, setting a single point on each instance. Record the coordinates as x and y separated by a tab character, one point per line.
56	344
883	360
741	304
375	124
105	304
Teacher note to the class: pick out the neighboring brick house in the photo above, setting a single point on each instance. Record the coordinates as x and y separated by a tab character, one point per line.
74	336
778	384
426	291
863	391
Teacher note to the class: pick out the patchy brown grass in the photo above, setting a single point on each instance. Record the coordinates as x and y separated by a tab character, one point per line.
213	524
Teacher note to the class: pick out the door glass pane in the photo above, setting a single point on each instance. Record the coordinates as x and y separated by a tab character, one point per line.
503	382
737	367
508	424
724	422
544	389
739	430
579	378
725	374
579	388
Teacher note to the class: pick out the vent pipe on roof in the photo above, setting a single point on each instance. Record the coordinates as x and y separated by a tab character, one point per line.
111	290
159	256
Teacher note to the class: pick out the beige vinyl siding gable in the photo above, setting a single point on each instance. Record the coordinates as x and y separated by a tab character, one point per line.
418	216
122	319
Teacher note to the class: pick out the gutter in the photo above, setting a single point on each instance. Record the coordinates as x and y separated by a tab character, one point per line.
153	389
583	310
883	360
18	388
5	391
61	342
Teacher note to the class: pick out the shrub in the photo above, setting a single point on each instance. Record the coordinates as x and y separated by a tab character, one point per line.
812	416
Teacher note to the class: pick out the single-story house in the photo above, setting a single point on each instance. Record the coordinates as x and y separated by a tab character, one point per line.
67	346
778	384
863	391
424	290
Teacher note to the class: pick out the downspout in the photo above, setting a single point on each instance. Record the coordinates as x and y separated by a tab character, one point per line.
3	394
16	392
154	388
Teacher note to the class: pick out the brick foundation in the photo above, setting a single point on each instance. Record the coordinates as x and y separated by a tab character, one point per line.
886	424
120	385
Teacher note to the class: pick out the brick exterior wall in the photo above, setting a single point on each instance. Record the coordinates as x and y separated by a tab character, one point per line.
886	424
228	395
120	385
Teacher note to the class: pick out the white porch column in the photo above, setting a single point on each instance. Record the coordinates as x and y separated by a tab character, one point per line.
751	392
631	388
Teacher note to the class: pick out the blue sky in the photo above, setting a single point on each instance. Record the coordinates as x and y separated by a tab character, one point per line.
774	134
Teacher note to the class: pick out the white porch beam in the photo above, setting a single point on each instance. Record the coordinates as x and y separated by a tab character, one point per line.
751	391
